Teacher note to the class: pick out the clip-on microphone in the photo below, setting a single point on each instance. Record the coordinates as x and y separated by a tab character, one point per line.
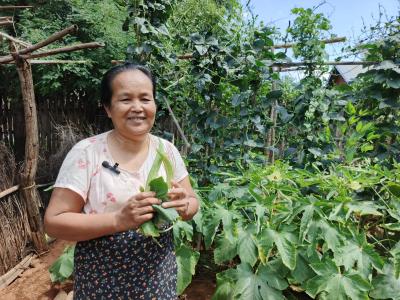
114	169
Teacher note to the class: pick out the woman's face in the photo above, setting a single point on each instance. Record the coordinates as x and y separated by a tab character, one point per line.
132	109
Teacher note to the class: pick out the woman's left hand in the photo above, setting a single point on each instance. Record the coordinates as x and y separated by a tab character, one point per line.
185	204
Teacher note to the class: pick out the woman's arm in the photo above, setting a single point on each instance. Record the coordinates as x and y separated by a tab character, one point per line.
64	218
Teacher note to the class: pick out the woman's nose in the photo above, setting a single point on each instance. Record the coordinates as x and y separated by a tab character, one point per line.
136	106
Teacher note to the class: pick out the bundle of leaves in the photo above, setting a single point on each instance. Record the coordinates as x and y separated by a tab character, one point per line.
332	234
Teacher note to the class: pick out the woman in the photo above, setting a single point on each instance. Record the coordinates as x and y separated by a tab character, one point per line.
97	200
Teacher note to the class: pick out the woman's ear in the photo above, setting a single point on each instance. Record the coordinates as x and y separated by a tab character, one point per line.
107	109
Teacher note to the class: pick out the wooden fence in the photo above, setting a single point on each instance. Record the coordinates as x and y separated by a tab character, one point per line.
74	108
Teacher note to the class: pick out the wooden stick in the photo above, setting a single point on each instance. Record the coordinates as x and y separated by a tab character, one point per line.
11	275
328	63
15	40
6	23
7	18
63	50
56	61
177	124
327	41
9	191
5	7
54	37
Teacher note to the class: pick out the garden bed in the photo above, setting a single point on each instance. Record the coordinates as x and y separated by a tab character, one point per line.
34	283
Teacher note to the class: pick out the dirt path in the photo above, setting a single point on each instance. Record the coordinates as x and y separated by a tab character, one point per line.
35	284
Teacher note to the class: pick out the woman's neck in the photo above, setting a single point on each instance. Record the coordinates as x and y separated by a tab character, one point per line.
132	146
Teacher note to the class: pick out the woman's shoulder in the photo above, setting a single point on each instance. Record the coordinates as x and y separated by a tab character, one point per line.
155	140
91	143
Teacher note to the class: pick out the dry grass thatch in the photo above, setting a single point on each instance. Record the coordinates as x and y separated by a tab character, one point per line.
67	135
14	225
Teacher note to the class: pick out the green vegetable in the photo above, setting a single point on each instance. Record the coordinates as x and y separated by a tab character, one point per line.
163	216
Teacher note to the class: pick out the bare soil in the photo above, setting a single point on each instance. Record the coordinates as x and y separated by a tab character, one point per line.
34	283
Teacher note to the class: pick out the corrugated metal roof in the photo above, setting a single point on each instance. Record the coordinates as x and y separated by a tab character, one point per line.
350	72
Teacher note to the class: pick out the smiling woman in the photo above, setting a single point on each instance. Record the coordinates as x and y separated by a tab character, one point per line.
102	207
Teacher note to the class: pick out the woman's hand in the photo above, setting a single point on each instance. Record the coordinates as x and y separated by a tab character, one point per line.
136	211
184	202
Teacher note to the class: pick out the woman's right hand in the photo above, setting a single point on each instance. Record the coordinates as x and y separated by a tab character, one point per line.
136	211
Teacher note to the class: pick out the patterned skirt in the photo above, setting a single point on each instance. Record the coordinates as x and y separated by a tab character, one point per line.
125	265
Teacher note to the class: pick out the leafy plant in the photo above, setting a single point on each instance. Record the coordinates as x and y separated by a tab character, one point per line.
62	269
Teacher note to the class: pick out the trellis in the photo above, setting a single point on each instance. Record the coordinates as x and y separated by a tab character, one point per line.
23	58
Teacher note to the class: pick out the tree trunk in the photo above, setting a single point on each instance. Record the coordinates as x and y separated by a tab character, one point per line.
28	188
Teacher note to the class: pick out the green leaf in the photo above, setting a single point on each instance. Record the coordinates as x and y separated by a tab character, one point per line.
250	286
182	230
394	188
160	187
149	229
164	215
385	285
274	273
225	285
395	252
391	226
363	208
286	249
224	250
63	267
186	260
302	272
247	248
357	253
335	285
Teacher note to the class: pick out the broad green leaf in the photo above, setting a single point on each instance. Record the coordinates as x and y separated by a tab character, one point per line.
247	248
286	249
363	208
385	285
164	215
326	231
264	246
274	273
395	251
149	229
357	253
186	260
251	286
182	230
302	272
306	221
160	187
224	250
210	227
394	188
63	267
335	285
225	285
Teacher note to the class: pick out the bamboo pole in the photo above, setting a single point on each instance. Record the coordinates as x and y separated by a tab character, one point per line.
5	7
28	191
187	144
5	23
54	37
63	50
15	40
11	275
327	41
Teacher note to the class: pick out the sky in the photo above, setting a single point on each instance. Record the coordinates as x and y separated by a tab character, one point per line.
346	16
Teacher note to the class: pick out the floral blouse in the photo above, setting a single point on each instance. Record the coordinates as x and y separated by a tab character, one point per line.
102	189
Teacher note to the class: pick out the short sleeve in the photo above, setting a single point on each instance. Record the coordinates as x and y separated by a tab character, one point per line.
180	170
74	172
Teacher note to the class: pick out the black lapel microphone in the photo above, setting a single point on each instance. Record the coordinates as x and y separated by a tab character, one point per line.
114	169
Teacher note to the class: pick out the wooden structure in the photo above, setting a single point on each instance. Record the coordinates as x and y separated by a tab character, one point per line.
22	58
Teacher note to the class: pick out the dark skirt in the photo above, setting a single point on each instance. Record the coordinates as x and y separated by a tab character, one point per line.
125	265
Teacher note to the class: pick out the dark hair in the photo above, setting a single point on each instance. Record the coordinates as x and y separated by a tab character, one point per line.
108	77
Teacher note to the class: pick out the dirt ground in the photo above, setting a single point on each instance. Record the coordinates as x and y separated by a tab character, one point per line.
34	283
